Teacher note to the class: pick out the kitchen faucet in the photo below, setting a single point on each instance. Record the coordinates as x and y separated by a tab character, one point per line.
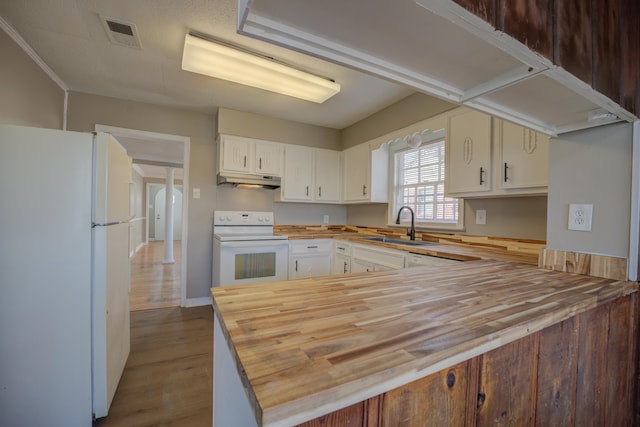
412	232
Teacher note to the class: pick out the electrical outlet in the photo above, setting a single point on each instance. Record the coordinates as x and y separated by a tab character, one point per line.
481	216
196	193
580	217
325	219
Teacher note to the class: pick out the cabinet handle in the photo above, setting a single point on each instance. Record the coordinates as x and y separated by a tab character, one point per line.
482	171
260	163
364	190
505	172
307	190
345	268
319	191
312	247
245	161
296	266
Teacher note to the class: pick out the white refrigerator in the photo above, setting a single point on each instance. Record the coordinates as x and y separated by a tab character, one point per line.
66	199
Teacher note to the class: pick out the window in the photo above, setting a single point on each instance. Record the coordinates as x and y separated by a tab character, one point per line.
419	184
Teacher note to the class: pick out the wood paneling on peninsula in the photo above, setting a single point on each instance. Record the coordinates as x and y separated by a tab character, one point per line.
598	41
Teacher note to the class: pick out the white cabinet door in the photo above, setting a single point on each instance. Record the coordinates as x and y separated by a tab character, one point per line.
365	174
468	153
341	264
356	173
327	176
297	181
235	154
360	266
310	266
524	157
268	158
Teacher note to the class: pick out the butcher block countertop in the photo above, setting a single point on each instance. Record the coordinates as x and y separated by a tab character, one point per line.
462	247
312	346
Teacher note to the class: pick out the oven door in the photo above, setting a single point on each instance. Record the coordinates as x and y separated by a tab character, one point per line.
249	261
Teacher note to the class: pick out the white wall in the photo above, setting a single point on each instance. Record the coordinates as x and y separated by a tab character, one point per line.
594	167
28	97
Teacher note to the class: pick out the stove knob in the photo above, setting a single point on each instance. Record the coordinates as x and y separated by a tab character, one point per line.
228	218
221	218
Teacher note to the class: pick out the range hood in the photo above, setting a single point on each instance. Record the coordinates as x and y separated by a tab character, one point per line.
248	181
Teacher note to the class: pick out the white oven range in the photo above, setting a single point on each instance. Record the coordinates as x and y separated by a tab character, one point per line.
245	250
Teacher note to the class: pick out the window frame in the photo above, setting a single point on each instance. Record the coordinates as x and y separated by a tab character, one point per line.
400	146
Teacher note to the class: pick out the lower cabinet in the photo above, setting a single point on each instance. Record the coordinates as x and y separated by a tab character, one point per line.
341	264
374	258
309	258
579	372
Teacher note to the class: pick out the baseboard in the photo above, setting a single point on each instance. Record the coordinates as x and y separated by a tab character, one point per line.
197	302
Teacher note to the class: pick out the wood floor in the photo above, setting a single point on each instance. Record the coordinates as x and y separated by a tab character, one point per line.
153	284
168	378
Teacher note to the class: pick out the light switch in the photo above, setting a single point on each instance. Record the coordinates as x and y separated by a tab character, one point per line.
196	193
580	217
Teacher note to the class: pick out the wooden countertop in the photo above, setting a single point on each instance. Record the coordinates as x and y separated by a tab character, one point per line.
448	245
312	346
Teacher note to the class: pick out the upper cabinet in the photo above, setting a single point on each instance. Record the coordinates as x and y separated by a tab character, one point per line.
247	155
523	157
328	174
310	175
468	153
488	157
365	174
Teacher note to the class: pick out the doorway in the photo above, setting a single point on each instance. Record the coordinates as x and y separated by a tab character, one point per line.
165	150
156	212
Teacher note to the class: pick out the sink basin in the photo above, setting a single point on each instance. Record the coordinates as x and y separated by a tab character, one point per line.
399	241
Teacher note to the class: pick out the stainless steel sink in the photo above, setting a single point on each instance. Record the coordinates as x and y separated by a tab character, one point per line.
399	241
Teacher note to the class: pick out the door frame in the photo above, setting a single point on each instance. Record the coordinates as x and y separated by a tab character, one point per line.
186	144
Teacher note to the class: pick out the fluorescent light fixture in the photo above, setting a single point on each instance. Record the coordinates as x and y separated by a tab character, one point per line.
228	63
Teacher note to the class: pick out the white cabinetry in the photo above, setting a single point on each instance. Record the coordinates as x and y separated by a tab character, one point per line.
309	258
365	174
523	157
341	257
373	258
327	176
468	153
297	182
248	155
310	175
488	157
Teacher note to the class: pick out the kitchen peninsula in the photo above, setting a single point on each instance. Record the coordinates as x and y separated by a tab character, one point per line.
489	341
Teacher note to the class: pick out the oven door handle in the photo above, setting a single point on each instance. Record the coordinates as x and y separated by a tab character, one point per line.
258	244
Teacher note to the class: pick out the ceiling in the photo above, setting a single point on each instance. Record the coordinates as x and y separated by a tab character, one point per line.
70	38
439	48
403	46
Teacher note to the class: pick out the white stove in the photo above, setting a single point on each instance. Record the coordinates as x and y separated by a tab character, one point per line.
245	250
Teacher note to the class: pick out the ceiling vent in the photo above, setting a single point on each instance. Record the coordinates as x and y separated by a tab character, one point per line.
121	32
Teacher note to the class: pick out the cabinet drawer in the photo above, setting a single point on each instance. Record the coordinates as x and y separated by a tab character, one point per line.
309	246
342	248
